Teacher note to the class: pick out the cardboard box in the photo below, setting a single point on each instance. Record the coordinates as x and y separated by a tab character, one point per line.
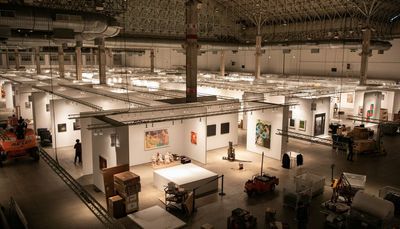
361	146
131	206
116	206
127	190
126	178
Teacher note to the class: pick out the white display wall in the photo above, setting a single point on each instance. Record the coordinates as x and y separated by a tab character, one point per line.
59	111
102	147
273	118
358	102
303	112
87	150
396	102
299	61
41	116
22	94
372	99
179	134
387	101
222	140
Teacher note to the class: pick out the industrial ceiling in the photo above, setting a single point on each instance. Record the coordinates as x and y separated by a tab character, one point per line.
238	21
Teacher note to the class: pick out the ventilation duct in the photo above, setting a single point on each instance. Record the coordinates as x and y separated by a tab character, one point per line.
63	25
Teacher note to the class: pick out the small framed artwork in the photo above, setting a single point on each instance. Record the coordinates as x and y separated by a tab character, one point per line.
302	125
47	107
193	138
225	128
349	98
211	130
62	127
27	105
77	124
292	123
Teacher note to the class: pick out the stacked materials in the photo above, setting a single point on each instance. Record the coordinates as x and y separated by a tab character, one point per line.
127	185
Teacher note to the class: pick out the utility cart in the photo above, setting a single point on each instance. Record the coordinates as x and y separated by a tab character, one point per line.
178	199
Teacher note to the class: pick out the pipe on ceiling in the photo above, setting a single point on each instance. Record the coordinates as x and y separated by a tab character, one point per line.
63	24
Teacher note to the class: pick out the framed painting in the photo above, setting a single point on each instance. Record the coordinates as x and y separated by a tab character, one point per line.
62	127
156	139
292	123
225	128
193	138
211	130
302	125
263	134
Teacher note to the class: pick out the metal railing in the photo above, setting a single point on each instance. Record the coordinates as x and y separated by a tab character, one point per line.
98	210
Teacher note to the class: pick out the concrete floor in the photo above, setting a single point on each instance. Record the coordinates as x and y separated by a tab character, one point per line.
48	197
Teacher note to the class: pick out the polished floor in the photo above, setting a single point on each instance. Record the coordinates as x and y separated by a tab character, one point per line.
42	194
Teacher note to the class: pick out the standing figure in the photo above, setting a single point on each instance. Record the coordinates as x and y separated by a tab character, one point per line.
350	145
78	151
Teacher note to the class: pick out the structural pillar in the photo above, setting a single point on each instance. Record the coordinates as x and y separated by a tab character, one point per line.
365	54
192	47
110	58
9	95
257	57
222	63
152	55
285	126
37	60
101	52
17	59
7	59
78	65
61	61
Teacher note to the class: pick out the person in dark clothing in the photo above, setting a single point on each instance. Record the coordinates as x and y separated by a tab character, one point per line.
302	216
78	151
350	154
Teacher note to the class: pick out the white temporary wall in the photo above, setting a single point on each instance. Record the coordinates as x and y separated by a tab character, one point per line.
272	117
41	117
22	95
195	151
372	98
222	140
87	151
138	154
299	61
302	112
323	107
9	95
396	102
59	111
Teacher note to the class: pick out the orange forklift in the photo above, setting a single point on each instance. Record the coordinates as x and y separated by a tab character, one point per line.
17	141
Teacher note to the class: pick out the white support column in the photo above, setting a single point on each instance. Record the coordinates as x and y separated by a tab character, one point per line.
78	65
9	95
365	54
257	57
192	48
61	68
102	60
152	55
37	60
17	59
7	61
222	63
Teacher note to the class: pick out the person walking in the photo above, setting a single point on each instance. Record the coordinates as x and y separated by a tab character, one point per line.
302	215
350	154
78	151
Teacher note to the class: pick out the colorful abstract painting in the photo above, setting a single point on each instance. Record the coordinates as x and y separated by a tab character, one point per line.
156	139
193	138
263	134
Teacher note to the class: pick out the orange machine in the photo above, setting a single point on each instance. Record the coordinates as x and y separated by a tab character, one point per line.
15	144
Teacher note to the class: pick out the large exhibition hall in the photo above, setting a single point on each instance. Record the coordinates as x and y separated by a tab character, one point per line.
233	114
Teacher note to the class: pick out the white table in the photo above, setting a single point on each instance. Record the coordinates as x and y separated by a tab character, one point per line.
187	176
156	217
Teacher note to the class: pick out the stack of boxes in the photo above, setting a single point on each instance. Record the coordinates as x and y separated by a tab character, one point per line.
127	185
